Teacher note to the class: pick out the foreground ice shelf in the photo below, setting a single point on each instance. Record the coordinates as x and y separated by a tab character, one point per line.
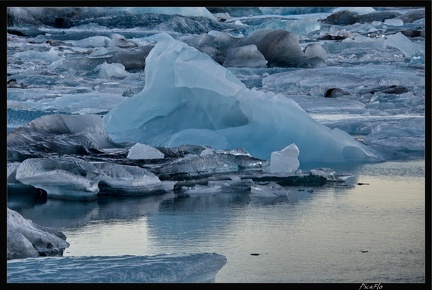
164	268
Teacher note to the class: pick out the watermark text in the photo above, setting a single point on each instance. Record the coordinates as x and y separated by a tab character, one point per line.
376	286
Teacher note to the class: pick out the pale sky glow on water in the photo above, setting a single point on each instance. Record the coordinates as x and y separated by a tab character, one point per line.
332	234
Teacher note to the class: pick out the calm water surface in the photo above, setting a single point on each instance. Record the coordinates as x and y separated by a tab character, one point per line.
373	232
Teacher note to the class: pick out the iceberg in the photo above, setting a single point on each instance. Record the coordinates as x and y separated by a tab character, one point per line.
188	98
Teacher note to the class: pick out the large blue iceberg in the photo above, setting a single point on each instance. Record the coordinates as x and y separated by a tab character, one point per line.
190	99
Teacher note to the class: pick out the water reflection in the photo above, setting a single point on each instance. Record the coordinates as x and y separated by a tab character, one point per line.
73	214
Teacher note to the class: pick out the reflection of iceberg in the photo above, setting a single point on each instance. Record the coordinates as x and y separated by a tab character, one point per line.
190	99
197	267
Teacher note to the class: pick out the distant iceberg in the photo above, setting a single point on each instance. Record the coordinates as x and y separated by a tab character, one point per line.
190	99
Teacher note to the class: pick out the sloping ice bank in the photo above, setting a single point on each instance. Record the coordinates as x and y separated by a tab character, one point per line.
163	268
190	99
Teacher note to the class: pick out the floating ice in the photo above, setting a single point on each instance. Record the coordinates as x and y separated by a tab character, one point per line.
184	11
404	44
129	180
162	268
200	190
358	10
32	55
111	70
280	48
394	22
194	165
26	239
245	56
271	189
351	79
315	50
324	172
190	99
121	41
291	10
301	26
62	178
71	178
92	41
285	161
60	134
144	151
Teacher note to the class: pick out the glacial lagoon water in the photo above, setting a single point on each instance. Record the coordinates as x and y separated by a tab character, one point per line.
372	231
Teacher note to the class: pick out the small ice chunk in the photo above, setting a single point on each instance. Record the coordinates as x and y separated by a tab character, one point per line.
315	50
11	171
92	41
324	172
394	22
271	189
198	190
144	151
120	41
286	160
111	70
207	151
245	56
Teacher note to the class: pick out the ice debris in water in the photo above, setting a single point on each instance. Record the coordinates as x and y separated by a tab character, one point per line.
285	161
271	189
71	178
181	82
405	45
111	70
245	56
144	151
58	133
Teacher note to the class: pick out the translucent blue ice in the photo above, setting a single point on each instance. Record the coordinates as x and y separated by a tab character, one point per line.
190	99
